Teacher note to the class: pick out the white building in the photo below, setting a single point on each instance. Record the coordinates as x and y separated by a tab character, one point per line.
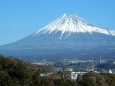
74	75
69	69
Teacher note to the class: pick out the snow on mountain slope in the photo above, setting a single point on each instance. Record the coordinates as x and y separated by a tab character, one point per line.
66	34
72	24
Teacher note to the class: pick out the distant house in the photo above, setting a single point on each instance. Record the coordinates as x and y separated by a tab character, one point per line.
74	75
45	74
69	69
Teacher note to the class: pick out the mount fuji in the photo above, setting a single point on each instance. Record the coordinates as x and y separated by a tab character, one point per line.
67	35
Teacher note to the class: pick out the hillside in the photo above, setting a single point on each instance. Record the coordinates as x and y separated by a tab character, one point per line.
14	72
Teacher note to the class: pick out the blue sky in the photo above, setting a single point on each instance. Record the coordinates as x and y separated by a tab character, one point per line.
19	18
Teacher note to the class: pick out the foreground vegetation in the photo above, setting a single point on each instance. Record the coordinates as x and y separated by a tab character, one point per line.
14	72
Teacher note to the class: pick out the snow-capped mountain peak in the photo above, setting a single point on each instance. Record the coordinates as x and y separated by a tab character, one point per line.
72	24
69	35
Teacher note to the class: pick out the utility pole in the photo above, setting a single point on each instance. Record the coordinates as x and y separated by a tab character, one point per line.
100	60
93	68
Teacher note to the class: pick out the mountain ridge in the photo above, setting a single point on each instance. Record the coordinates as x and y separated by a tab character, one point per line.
68	33
72	24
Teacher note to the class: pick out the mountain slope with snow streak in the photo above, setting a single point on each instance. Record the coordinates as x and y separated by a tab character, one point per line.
67	35
72	24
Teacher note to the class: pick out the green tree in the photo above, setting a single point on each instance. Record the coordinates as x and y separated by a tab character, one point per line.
5	79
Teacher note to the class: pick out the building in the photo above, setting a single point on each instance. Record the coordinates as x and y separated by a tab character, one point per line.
74	75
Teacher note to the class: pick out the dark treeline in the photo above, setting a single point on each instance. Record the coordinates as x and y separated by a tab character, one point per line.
14	72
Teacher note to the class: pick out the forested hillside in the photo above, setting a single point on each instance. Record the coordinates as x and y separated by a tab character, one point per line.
14	72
